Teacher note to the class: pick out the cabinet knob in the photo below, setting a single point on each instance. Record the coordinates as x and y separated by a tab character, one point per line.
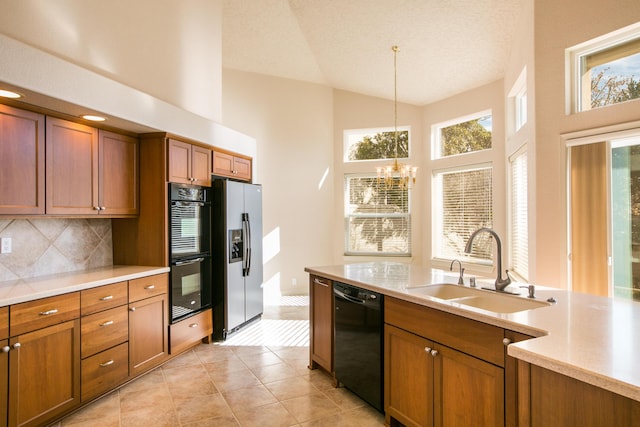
427	349
434	353
6	349
16	345
132	309
506	341
96	208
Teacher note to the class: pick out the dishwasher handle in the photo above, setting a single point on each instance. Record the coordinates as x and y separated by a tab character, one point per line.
349	298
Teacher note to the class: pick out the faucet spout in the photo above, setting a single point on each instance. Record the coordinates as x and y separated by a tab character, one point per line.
500	283
460	279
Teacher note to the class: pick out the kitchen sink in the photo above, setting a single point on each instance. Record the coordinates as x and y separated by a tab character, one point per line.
482	299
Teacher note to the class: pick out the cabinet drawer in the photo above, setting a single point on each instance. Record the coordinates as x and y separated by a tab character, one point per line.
32	315
149	286
4	322
190	331
104	371
103	297
469	336
105	329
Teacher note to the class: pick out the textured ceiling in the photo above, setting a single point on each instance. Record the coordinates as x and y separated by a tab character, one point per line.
446	46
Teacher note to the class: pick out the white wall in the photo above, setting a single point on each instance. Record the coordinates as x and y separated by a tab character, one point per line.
293	124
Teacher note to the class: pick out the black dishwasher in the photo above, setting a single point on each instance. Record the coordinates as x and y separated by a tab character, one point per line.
358	345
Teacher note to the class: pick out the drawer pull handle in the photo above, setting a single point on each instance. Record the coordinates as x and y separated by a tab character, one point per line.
48	312
6	349
107	298
150	287
107	323
193	325
107	363
319	282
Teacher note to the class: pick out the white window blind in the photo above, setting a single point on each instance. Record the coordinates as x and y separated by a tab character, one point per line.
378	220
463	203
519	238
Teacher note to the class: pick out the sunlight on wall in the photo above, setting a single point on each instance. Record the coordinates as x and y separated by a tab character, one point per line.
271	245
324	178
271	290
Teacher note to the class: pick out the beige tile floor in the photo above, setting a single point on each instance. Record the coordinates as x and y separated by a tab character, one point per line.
222	384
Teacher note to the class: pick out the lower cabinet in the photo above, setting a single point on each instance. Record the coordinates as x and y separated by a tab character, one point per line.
104	371
188	332
4	380
441	369
148	341
44	374
321	306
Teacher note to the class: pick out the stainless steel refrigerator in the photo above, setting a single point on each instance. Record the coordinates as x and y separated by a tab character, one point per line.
237	255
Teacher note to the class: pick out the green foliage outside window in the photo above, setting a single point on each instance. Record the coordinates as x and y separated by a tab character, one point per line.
381	146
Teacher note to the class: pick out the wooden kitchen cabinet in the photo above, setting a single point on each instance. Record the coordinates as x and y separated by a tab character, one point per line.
190	331
547	398
44	347
148	320
89	172
441	369
189	164
231	165
4	363
22	160
321	324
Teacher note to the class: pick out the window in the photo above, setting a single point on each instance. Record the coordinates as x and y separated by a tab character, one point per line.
465	136
519	223
518	103
375	144
463	202
606	71
377	218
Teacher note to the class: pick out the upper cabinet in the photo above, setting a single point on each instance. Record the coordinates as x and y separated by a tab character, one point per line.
90	172
231	165
21	162
189	164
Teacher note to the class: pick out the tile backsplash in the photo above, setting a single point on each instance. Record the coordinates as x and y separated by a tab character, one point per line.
42	246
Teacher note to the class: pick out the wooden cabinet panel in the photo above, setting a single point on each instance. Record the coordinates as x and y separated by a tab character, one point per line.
188	332
44	379
72	168
321	293
118	169
408	378
222	163
103	297
4	380
467	390
149	286
32	315
201	166
104	371
4	322
104	330
231	165
243	168
470	336
148	343
22	158
179	162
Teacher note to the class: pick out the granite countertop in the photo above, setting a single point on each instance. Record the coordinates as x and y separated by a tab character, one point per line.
590	338
22	290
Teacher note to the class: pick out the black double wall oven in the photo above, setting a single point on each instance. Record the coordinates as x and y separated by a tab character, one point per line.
190	249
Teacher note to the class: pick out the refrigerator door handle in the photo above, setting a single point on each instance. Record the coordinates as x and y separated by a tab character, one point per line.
246	256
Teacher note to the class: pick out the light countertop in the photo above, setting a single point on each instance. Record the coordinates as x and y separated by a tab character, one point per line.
22	290
590	338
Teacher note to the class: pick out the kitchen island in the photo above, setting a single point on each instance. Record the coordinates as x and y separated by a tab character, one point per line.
586	338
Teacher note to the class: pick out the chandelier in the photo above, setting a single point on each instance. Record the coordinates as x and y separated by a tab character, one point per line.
396	174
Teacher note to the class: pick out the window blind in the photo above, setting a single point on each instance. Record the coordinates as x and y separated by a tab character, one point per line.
519	238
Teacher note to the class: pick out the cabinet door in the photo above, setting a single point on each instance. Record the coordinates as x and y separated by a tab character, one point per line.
408	378
321	323
179	162
242	167
201	166
118	168
21	162
467	390
44	374
4	380
72	168
148	344
222	164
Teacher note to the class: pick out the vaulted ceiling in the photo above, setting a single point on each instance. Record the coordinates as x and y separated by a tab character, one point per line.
446	46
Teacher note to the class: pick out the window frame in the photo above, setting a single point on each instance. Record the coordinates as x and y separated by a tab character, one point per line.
523	150
436	134
372	131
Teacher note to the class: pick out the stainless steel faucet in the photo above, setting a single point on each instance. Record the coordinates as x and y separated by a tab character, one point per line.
460	279
501	283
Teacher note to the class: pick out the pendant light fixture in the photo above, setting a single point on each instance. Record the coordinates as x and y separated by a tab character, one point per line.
396	174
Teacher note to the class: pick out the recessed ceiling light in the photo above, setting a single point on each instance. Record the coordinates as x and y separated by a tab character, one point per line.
9	94
93	118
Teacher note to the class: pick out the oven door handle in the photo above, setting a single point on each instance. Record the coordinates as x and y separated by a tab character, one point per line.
178	203
191	261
